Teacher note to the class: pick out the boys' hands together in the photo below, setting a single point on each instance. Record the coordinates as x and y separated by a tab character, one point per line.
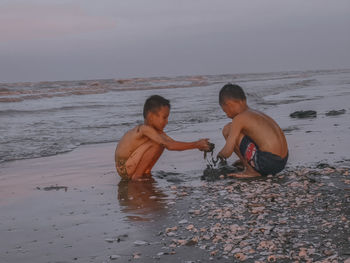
203	144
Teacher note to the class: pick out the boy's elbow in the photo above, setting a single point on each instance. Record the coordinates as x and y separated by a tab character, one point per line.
169	146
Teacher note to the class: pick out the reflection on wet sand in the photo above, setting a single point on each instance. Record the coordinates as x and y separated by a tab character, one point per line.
141	200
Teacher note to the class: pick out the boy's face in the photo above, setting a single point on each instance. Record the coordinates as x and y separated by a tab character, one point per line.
231	107
159	119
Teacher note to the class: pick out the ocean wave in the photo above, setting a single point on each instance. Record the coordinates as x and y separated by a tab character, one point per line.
42	90
8	112
16	92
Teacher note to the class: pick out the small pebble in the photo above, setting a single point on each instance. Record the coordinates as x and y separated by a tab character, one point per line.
114	257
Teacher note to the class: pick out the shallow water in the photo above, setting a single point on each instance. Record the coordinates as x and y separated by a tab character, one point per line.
140	200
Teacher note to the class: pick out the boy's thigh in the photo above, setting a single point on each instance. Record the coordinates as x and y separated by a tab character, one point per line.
248	149
136	156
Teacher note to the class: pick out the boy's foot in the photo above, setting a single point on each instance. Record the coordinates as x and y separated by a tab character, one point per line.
144	179
243	175
247	173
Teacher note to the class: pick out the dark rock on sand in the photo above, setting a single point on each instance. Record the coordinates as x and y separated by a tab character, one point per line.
53	187
213	174
114	257
304	114
335	112
290	129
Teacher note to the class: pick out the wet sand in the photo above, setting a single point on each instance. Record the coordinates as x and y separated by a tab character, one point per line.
73	208
63	225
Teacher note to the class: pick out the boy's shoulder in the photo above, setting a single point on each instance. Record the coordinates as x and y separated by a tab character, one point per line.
135	130
251	113
247	114
144	128
249	117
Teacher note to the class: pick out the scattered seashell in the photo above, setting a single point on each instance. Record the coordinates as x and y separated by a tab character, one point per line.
271	258
171	234
189	227
181	242
287	218
140	243
228	247
303	252
170	229
136	255
240	256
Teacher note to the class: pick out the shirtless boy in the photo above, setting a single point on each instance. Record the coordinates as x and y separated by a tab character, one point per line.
257	139
140	148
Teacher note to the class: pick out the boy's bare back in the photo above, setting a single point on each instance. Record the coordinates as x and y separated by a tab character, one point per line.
263	130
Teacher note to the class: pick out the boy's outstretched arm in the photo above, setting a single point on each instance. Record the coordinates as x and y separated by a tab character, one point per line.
170	144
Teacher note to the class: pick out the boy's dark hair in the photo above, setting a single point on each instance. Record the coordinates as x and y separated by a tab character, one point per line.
231	91
153	103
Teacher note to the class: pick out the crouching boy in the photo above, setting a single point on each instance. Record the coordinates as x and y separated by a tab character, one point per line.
257	139
140	148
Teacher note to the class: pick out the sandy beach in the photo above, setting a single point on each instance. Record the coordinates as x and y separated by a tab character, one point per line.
72	207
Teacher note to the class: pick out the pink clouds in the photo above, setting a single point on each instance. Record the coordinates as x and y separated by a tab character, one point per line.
31	21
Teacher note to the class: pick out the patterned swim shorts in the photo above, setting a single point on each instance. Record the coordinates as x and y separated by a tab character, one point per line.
121	168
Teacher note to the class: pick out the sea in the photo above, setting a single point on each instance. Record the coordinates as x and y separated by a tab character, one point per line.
39	119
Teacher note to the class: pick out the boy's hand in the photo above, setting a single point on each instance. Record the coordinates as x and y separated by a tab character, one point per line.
221	158
203	144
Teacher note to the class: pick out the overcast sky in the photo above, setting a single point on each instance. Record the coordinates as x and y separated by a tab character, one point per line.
89	39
